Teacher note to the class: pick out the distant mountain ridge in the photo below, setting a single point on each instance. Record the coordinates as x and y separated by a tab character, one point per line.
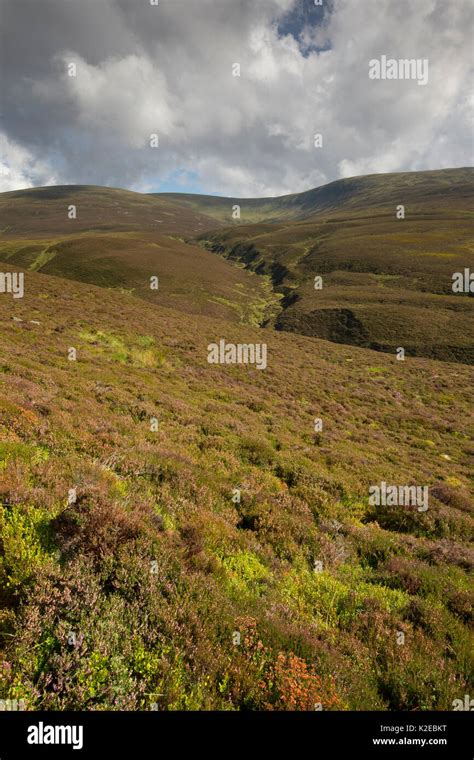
385	246
354	194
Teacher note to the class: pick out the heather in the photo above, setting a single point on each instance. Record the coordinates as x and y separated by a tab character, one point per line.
155	587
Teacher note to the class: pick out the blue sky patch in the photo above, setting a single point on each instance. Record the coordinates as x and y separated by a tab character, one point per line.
302	20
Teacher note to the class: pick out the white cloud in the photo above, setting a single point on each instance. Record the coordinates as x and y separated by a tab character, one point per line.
19	168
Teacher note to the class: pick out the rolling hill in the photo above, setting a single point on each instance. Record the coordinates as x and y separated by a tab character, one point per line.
176	534
437	190
386	281
120	239
131	577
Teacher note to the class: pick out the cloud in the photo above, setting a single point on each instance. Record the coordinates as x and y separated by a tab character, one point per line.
168	70
19	168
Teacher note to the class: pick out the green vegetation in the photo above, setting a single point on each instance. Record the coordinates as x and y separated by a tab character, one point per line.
180	535
155	586
119	239
441	189
386	282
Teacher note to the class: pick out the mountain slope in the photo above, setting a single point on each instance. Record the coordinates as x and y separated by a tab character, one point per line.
120	239
153	586
387	282
39	211
440	189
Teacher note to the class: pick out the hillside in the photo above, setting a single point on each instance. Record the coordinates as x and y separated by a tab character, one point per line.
38	211
386	281
154	587
120	239
440	189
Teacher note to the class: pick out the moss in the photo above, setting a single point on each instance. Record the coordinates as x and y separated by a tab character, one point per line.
246	572
26	543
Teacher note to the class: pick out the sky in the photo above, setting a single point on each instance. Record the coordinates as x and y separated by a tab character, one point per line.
169	70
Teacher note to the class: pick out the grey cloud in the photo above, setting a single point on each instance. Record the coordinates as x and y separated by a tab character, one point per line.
143	69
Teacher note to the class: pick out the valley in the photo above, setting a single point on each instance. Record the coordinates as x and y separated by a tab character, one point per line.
194	510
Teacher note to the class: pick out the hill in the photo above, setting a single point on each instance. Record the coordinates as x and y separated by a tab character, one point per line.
439	189
177	534
38	211
386	282
120	239
386	276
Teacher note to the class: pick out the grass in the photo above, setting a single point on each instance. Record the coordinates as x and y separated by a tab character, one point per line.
177	535
155	567
441	188
386	282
